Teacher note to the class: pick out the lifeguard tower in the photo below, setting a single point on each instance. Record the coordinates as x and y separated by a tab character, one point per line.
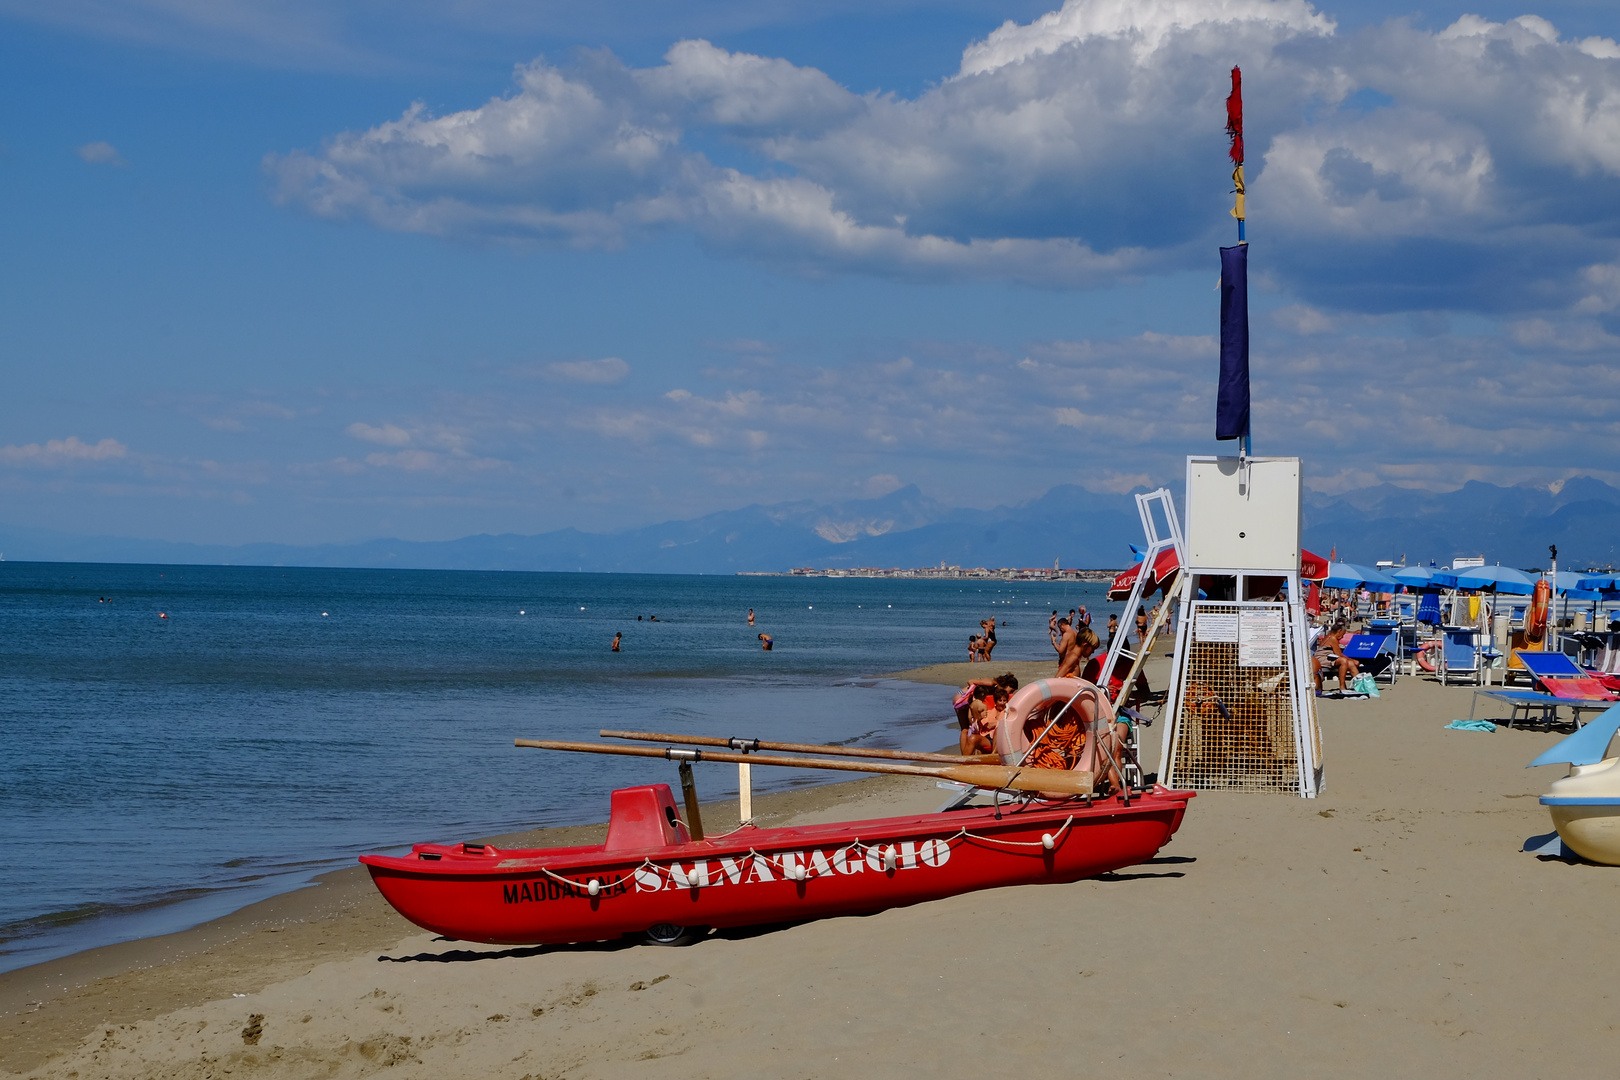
1241	708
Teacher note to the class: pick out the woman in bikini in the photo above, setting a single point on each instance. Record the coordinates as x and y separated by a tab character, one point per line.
1329	654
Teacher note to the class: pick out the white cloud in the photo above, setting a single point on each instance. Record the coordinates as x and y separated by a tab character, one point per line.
59	452
1075	149
100	153
1303	319
1579	335
409	460
1602	286
1601	47
1143	24
431	461
232	418
386	435
608	370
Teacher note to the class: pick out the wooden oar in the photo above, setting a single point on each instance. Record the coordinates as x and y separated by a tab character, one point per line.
802	748
1057	781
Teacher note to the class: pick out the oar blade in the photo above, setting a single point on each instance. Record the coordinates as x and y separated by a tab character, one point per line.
1056	781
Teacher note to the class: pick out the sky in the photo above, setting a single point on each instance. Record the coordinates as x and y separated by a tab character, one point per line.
321	271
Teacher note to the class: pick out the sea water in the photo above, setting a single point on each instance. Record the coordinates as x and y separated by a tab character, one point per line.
176	742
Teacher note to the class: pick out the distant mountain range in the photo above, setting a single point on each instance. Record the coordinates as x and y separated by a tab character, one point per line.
906	528
1510	525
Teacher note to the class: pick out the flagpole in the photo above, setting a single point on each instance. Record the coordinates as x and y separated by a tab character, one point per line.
1232	413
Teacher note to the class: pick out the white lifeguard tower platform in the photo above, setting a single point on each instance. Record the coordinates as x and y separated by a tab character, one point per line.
1241	705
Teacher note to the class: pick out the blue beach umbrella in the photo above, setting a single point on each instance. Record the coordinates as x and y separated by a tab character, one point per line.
1342	576
1497	579
1376	579
1599	583
1446	578
1569	584
1414	577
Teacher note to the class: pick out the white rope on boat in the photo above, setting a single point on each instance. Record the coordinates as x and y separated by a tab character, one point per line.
798	871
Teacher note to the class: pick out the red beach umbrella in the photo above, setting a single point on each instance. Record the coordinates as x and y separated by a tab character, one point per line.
1312	567
1162	568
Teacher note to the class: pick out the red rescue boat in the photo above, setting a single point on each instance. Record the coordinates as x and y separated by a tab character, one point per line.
650	878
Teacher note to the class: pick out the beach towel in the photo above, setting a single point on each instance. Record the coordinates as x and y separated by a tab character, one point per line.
1471	725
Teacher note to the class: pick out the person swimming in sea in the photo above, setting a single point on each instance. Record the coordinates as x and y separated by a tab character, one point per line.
765	642
616	639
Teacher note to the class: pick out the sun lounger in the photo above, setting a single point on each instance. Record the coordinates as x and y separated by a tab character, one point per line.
1563	678
1459	653
1376	653
1529	702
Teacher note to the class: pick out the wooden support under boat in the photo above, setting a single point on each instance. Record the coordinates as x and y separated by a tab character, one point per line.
694	817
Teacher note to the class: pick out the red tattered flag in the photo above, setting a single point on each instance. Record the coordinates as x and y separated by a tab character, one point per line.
1234	116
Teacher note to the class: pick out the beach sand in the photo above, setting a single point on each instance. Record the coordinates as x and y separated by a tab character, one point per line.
1390	928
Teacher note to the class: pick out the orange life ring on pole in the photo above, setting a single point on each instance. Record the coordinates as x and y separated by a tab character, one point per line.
1424	660
1535	621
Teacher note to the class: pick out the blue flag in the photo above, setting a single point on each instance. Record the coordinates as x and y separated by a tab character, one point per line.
1232	395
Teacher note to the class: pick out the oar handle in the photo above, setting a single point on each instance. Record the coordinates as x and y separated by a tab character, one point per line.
802	748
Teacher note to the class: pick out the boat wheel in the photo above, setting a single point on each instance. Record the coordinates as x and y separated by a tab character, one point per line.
669	934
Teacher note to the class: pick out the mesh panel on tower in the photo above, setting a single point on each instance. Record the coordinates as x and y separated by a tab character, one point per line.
1235	726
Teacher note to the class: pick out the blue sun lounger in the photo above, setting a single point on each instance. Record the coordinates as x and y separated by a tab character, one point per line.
1529	701
1459	653
1562	677
1376	653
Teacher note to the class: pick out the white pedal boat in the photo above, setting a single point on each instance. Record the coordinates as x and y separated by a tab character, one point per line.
1585	805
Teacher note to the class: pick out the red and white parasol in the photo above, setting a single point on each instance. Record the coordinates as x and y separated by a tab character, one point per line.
1312	567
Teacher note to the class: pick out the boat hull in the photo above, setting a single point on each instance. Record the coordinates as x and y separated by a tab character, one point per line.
1585	809
756	876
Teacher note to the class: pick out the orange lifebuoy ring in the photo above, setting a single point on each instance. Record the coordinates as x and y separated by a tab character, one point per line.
1535	620
1424	660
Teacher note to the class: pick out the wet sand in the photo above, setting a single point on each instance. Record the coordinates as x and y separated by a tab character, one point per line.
1390	928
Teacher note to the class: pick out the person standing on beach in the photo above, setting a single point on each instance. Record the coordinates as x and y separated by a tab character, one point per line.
1113	629
616	639
1141	627
750	616
1067	645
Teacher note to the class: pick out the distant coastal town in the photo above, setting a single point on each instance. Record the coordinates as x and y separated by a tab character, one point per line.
1005	573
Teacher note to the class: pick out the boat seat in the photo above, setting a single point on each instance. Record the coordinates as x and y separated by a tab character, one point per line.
644	817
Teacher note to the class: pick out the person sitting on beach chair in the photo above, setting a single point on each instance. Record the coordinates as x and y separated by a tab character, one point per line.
1330	654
